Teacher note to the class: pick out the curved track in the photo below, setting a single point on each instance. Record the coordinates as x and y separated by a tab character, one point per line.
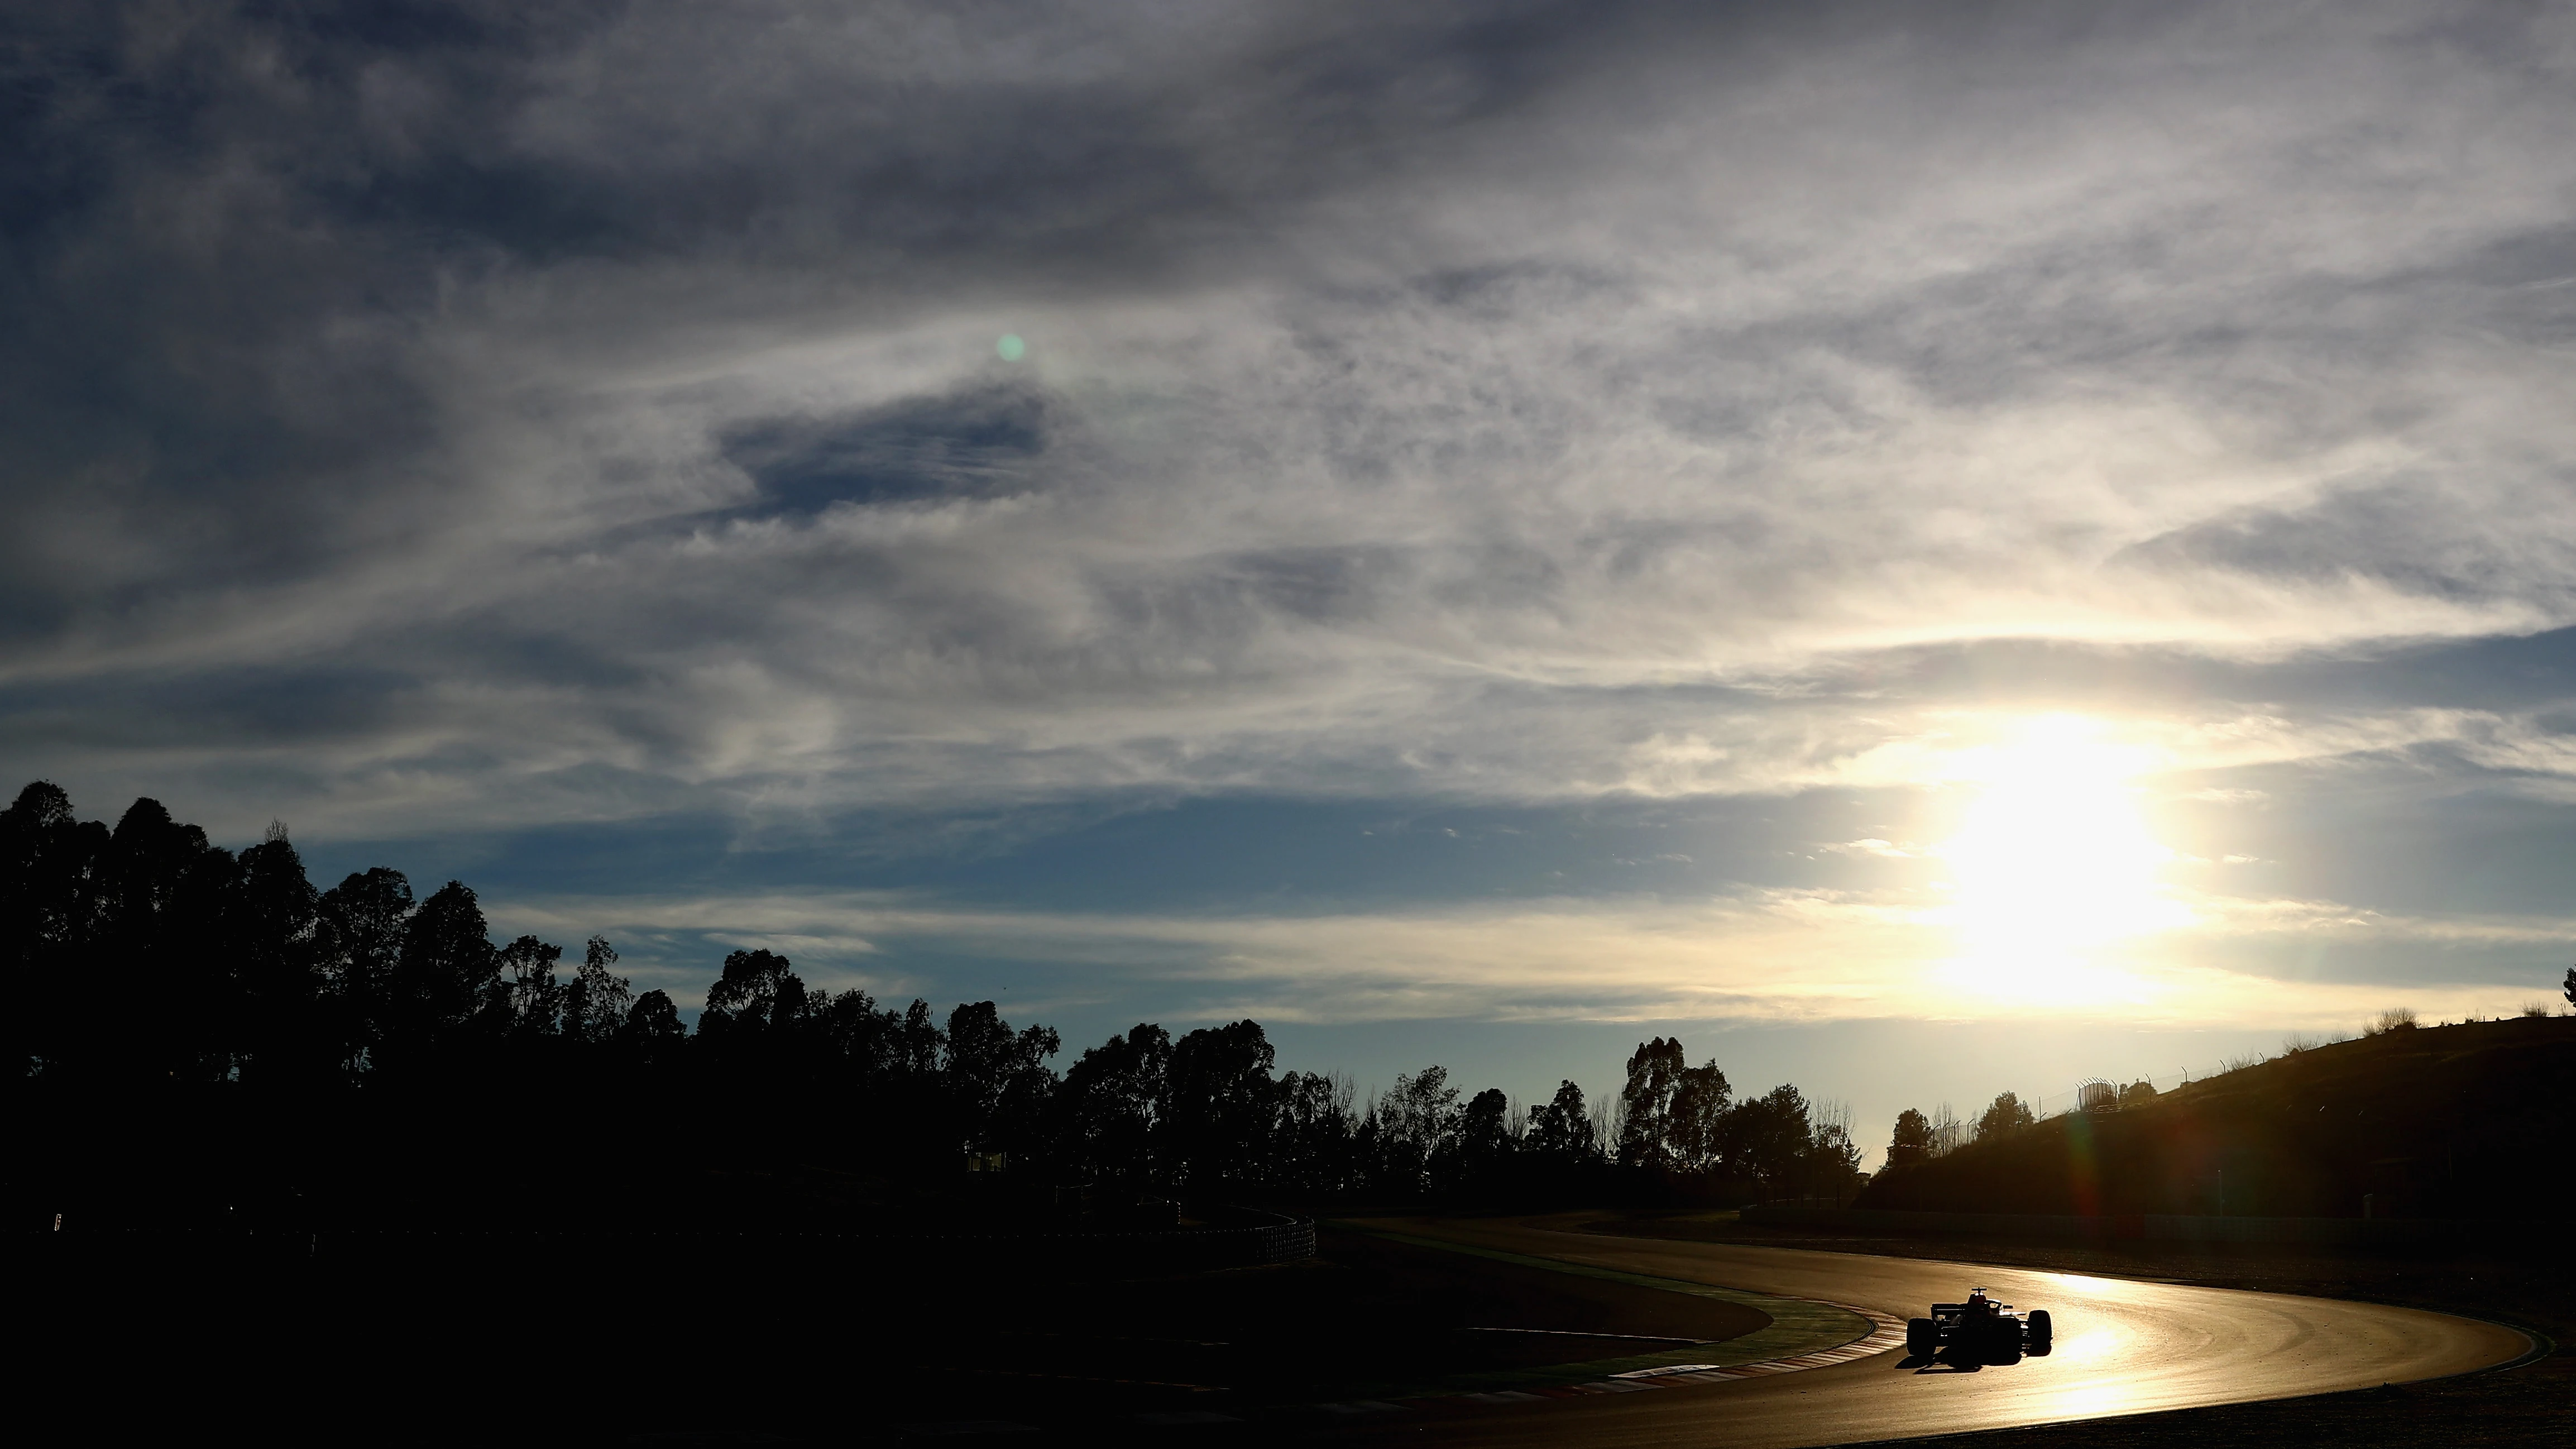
2123	1347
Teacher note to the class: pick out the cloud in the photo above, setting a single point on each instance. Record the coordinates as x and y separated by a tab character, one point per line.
1775	956
425	420
1881	848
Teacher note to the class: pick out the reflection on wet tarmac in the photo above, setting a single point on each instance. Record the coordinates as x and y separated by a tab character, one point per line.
2123	1346
2086	1347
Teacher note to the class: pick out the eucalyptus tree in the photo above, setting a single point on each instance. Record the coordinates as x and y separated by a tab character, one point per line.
1223	1103
362	923
529	995
1111	1105
441	1000
273	934
1415	1121
997	1081
1560	1134
1316	1147
1645	1136
595	1001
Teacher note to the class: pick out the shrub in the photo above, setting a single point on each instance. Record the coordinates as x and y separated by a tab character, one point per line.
2395	1018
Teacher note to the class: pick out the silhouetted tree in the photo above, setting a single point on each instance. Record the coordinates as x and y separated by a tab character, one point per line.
916	1044
1223	1103
532	998
653	1031
1317	1133
2570	989
363	921
1560	1133
858	1044
1912	1142
1702	1097
1609	1114
1832	1157
1654	1073
1111	1103
163	890
1767	1137
1482	1148
52	910
273	928
1414	1122
443	999
148	960
997	1079
2006	1114
754	999
595	1003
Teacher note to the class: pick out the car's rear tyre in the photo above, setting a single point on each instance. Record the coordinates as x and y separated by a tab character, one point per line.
2042	1333
1921	1337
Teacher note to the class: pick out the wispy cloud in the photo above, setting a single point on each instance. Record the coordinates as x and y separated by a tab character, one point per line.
1783	956
507	420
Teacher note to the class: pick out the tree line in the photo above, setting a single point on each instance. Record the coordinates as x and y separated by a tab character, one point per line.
149	961
1919	1138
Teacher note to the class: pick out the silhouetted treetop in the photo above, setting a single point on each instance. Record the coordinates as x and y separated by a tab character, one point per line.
998	1082
1561	1131
2006	1114
1223	1102
152	961
1912	1141
653	1029
596	1002
1114	1100
755	992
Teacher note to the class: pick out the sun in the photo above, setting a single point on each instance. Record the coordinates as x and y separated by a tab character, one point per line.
2053	868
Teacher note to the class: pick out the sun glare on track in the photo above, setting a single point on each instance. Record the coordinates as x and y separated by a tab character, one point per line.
2053	868
2101	1343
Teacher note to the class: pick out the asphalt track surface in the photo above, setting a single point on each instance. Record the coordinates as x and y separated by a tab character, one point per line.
2123	1347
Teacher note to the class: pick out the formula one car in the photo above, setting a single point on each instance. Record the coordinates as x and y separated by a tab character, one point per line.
1980	1331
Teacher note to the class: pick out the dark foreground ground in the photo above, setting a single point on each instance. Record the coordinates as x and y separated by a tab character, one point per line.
768	1340
775	1340
2531	1285
1365	1318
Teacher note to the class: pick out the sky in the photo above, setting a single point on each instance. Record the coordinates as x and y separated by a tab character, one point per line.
1927	550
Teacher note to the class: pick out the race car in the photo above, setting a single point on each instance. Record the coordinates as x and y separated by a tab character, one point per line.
1980	1331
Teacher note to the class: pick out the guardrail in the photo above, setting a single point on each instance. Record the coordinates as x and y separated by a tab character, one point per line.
2166	1227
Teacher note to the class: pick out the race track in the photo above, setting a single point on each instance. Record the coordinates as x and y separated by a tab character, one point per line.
2123	1347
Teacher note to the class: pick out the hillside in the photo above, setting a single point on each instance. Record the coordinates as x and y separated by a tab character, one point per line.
2464	1121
